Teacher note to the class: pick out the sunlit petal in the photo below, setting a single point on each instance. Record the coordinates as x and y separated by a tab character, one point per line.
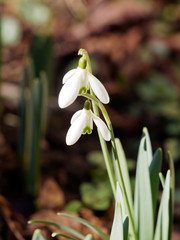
68	75
98	88
102	127
88	119
75	131
75	116
69	92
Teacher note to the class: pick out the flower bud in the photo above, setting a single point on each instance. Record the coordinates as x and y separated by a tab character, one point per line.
82	63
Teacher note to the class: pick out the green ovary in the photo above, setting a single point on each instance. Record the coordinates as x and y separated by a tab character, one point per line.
87	129
82	90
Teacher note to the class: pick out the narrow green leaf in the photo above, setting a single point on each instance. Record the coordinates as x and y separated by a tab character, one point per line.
61	226
148	146
125	172
162	231
126	228
155	168
172	175
117	231
171	165
122	164
117	227
86	223
62	235
43	102
37	235
143	205
34	164
161	177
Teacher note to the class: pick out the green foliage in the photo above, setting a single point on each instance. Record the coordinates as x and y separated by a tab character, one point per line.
73	206
96	196
163	225
132	221
143	206
33	118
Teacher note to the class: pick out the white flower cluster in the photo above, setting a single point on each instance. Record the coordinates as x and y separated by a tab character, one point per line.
75	82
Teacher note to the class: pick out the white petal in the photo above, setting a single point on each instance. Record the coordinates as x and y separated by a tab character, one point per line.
68	75
75	116
98	88
75	131
69	92
102	127
88	118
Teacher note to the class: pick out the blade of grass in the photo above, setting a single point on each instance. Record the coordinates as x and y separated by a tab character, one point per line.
43	102
126	228
117	227
162	231
148	146
86	223
61	226
154	169
143	205
124	169
62	235
172	175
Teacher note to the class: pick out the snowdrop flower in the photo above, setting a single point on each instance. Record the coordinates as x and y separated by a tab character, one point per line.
82	123
77	81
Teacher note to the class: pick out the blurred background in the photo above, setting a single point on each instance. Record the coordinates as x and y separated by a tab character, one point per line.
134	46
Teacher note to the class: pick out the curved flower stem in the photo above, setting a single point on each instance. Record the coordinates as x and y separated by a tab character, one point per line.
96	103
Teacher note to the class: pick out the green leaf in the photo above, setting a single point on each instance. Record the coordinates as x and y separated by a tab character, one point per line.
73	206
96	196
37	235
86	223
172	199
63	235
161	177
126	228
143	205
124	170
171	164
123	173
61	226
117	227
120	222
162	231
43	102
155	168
148	146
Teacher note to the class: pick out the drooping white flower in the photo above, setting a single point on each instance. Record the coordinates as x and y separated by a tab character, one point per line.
82	123
78	81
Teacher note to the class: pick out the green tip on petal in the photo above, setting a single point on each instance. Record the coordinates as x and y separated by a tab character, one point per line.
87	105
87	129
82	90
82	63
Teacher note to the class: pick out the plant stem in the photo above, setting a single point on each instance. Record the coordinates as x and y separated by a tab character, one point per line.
103	144
96	103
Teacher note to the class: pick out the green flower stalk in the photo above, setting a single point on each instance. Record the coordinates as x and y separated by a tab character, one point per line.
129	221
